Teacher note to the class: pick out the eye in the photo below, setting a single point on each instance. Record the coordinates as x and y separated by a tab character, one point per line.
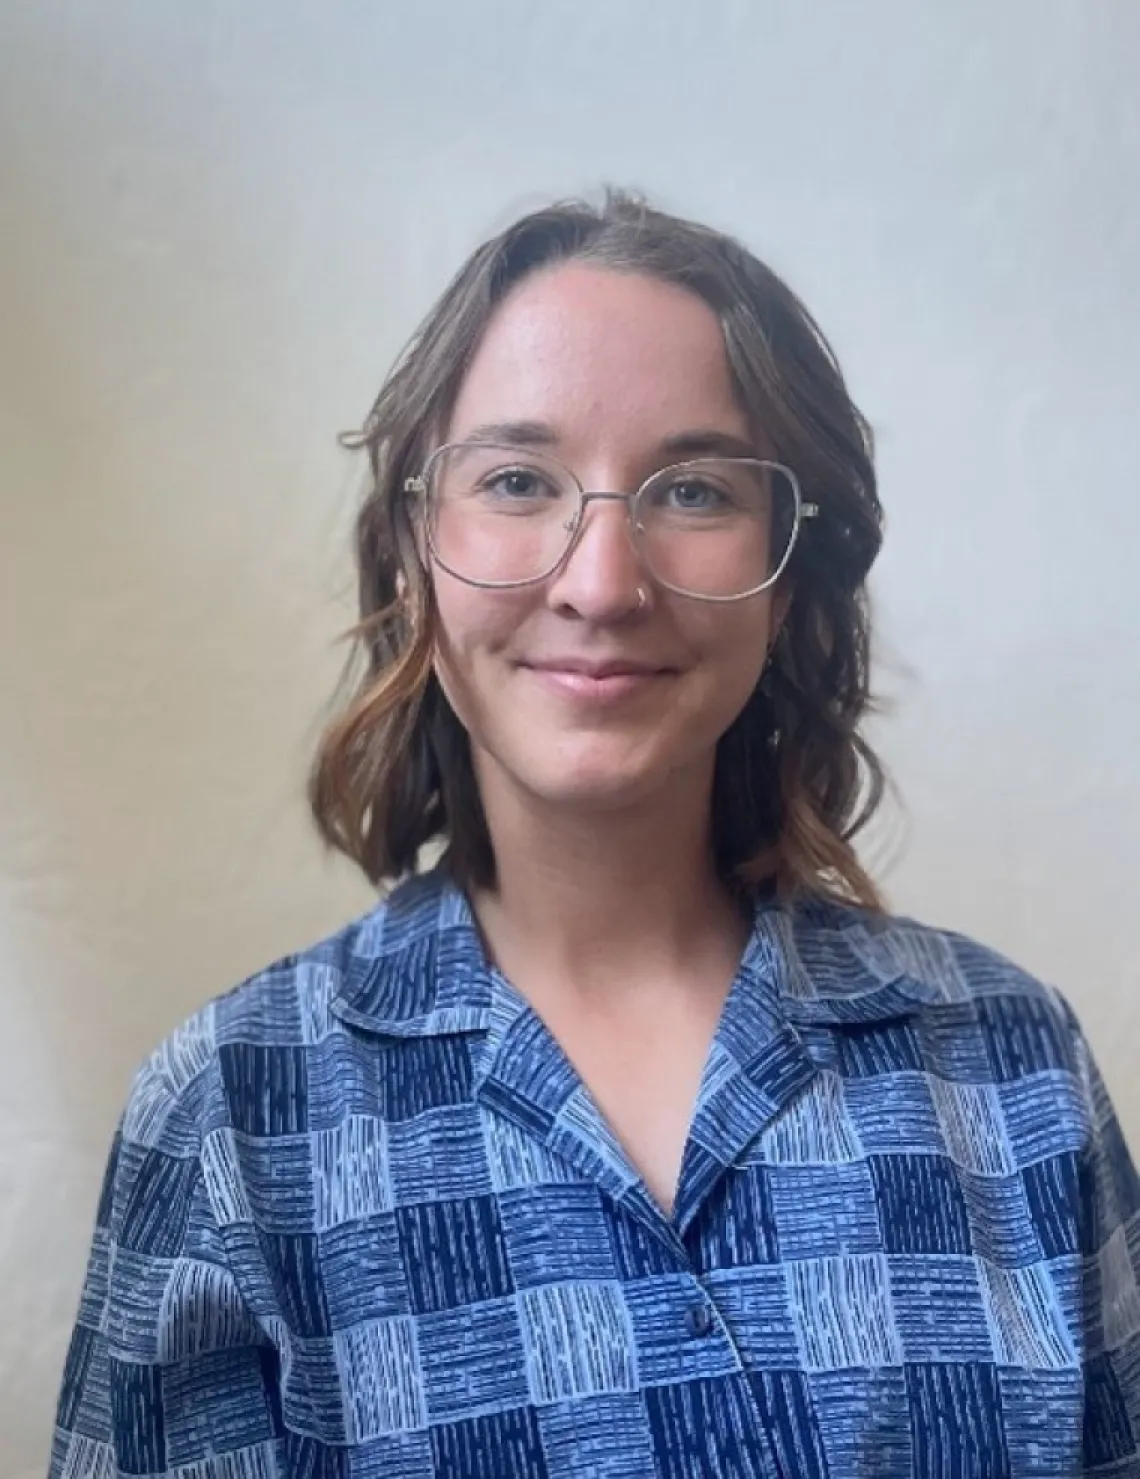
518	484
692	495
695	493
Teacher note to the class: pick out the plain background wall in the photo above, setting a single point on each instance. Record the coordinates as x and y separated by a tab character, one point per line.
217	224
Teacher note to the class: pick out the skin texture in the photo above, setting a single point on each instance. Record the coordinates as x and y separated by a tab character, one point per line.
615	365
607	914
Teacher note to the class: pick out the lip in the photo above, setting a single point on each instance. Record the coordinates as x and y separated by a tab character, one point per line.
614	668
603	682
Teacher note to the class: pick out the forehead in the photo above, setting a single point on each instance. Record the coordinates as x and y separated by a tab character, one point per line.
600	354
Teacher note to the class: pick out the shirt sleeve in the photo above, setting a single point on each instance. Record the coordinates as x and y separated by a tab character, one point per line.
1110	1215
167	1372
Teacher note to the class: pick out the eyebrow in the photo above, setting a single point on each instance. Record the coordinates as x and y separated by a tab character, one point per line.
696	442
515	434
707	442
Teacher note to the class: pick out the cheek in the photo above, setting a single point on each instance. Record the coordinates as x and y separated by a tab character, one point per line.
730	686
732	664
722	649
471	626
733	641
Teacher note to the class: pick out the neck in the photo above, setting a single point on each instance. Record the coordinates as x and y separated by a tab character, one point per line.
606	899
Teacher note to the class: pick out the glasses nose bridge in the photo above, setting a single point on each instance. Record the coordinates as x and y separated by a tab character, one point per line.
585	498
629	499
576	527
604	496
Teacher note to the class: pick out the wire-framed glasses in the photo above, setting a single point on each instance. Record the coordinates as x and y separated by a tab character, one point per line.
714	528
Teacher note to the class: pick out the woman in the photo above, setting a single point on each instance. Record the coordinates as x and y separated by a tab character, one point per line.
633	1138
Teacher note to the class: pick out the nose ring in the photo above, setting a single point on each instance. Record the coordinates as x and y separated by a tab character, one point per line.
641	598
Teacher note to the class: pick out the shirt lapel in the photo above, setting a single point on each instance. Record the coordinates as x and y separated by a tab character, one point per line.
416	967
757	1065
807	969
522	1074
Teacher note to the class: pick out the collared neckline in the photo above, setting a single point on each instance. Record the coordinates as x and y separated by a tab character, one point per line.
415	966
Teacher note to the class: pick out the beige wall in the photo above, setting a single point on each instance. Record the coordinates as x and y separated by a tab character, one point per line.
218	221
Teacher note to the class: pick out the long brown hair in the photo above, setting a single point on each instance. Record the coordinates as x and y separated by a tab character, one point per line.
794	779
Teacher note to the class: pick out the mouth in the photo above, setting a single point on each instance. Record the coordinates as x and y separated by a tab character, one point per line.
598	682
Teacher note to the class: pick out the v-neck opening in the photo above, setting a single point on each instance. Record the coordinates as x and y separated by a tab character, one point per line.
754	1064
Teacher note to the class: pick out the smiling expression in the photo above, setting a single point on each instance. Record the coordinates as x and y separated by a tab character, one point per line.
597	687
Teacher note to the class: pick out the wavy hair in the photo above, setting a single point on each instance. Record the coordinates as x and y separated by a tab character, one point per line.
794	779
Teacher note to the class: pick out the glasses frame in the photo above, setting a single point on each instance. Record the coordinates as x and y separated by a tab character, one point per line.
419	487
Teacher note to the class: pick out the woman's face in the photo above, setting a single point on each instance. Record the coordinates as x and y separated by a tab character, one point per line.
618	372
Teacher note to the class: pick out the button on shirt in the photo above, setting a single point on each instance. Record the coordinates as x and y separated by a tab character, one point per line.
363	1221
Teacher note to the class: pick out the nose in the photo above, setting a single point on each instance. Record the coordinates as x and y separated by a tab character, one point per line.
601	576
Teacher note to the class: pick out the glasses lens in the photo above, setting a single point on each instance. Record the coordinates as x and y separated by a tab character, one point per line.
499	515
718	527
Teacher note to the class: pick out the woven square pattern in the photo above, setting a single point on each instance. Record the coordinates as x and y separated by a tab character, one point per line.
363	1221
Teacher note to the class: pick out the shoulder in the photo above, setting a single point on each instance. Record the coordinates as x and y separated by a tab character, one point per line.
868	966
912	1013
266	1027
956	969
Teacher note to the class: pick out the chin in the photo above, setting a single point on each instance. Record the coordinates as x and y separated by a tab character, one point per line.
592	794
597	782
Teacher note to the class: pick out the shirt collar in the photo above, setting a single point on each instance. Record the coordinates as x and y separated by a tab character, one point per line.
415	966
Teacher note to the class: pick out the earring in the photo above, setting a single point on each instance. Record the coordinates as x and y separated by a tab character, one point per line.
641	598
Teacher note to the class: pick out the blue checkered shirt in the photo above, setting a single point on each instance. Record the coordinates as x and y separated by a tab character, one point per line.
363	1221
